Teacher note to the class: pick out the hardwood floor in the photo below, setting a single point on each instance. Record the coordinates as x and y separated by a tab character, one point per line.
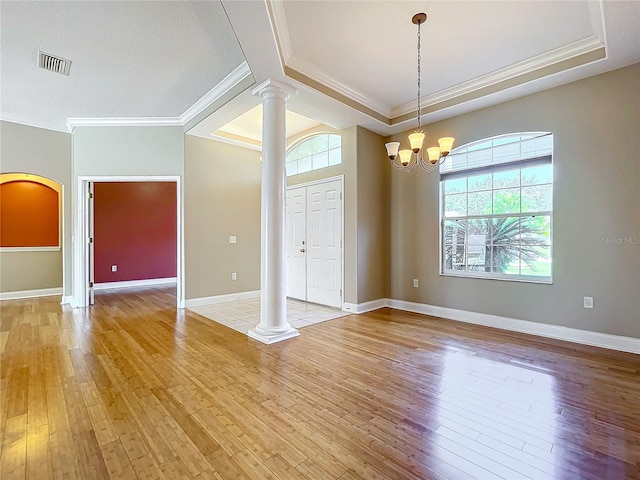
132	388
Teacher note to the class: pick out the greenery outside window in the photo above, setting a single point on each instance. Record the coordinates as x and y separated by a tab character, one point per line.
497	208
313	153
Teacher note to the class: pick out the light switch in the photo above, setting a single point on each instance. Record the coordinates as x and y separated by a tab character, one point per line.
114	268
232	239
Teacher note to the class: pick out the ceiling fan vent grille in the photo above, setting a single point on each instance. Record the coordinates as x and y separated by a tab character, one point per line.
53	63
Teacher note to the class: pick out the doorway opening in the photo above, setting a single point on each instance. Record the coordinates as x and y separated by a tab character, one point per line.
141	264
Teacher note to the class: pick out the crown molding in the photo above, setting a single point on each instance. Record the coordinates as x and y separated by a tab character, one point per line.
236	140
123	122
278	19
530	65
241	72
311	70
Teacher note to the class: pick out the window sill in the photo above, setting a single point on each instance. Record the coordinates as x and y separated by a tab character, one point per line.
540	280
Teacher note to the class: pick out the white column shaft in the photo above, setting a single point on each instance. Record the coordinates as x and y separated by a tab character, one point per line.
273	324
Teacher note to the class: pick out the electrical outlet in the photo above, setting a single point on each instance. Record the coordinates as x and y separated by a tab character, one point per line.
588	302
233	239
234	276
114	268
415	283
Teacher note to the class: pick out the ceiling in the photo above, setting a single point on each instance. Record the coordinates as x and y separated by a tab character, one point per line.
351	62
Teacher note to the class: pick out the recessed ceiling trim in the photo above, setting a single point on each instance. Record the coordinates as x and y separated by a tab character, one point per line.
123	122
346	100
508	83
241	72
520	69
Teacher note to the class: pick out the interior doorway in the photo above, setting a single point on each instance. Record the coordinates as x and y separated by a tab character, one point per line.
84	273
314	229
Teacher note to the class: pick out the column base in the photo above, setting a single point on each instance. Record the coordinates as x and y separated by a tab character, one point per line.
273	338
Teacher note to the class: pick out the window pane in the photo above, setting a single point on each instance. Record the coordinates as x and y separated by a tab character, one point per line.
453	257
536	230
458	185
304	148
506	230
478	231
506	200
335	156
537	175
505	259
480	182
304	164
320	160
480	203
320	143
507	179
292	168
536	261
455	231
537	198
334	141
292	155
455	205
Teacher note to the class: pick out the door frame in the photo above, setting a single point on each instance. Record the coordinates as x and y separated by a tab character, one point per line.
339	178
80	259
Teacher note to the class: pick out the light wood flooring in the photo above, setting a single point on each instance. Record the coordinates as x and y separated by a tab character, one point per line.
133	389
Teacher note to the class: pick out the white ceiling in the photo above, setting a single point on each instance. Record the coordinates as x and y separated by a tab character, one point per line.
352	62
129	58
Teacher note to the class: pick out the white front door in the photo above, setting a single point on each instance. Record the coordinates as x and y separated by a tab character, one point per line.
295	235
314	243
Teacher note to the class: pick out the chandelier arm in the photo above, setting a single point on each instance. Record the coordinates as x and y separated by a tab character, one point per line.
395	165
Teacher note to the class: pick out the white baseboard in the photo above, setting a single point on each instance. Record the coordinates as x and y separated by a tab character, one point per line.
229	297
66	299
586	337
42	292
364	307
135	283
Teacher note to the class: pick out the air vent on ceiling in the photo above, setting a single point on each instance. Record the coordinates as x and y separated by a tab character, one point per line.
53	64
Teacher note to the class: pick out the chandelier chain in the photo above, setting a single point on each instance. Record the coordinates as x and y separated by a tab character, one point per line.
418	99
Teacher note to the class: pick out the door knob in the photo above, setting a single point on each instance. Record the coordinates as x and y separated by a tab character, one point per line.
302	250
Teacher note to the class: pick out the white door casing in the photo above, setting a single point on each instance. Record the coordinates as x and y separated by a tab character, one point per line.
91	249
314	242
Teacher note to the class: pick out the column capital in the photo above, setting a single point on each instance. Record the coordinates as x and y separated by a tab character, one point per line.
272	88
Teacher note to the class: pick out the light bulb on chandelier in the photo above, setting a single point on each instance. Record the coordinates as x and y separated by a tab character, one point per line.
410	158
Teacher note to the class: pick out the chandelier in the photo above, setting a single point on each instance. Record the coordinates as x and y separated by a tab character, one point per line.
413	156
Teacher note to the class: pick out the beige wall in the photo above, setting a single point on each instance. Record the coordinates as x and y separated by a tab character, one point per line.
222	198
25	149
596	127
373	217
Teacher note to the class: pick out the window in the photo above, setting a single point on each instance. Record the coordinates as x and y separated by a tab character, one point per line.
497	210
313	153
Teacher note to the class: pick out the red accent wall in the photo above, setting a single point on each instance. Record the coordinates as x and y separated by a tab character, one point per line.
29	215
135	229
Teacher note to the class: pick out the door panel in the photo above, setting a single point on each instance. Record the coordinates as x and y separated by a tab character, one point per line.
91	262
324	254
295	235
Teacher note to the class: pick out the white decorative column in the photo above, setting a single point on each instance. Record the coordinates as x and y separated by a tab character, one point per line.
273	326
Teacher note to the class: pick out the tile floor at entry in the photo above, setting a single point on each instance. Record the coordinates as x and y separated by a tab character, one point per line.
242	315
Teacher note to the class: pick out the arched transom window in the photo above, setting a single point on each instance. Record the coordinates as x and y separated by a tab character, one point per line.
313	153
